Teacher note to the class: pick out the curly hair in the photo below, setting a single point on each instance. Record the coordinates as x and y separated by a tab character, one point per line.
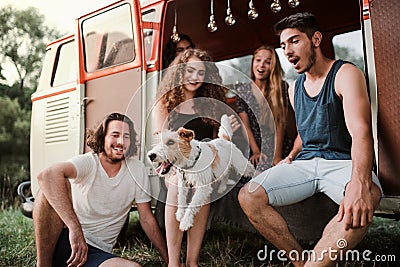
95	137
171	89
275	83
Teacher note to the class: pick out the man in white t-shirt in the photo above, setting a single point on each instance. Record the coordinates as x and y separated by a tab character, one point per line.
84	202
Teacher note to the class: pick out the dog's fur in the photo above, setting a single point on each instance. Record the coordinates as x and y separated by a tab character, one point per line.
198	164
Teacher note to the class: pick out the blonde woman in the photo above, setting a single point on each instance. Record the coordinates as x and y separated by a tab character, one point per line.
267	88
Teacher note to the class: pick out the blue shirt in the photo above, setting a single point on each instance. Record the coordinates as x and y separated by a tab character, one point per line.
320	120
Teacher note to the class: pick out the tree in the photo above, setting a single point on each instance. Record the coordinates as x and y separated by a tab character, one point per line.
14	147
23	38
349	54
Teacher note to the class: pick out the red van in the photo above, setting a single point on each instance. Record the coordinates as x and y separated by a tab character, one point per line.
112	62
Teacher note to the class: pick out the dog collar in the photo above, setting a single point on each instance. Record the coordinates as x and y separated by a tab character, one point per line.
195	160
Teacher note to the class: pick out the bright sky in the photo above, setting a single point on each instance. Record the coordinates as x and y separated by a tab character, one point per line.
60	14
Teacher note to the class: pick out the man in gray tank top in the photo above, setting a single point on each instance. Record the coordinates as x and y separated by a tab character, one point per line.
333	152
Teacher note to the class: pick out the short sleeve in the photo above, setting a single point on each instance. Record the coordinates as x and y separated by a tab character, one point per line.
84	165
142	182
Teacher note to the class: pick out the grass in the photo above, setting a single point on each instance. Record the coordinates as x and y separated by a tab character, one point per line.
17	247
223	245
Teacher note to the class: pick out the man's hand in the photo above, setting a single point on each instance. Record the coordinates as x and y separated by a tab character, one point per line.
287	160
79	249
356	209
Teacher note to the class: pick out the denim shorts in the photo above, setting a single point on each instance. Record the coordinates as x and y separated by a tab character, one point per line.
63	251
287	184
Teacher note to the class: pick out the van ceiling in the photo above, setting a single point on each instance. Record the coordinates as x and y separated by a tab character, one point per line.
334	17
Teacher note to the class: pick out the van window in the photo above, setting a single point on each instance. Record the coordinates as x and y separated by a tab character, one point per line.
243	64
44	80
148	34
349	46
228	70
108	39
65	70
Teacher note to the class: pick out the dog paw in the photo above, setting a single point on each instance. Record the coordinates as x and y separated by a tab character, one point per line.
179	214
185	224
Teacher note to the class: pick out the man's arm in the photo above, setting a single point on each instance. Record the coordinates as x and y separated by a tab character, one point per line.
52	182
357	207
297	145
150	227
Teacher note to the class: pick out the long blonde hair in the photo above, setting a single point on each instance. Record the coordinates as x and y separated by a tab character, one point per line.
275	84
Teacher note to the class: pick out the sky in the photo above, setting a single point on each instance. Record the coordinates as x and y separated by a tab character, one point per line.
60	14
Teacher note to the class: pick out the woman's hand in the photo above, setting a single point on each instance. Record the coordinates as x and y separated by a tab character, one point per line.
257	158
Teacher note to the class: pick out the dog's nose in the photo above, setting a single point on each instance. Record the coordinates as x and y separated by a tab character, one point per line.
152	156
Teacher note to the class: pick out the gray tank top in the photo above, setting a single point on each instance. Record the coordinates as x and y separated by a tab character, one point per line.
320	120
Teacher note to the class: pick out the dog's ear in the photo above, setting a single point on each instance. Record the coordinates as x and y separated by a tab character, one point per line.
185	134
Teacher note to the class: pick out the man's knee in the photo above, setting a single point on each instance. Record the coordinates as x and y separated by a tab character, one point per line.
42	209
252	195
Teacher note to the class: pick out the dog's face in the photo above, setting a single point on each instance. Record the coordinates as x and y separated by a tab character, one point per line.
173	148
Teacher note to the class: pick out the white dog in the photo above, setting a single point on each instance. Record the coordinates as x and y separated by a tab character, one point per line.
198	164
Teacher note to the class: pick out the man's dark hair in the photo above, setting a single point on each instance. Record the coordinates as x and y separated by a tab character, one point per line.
304	22
95	138
169	51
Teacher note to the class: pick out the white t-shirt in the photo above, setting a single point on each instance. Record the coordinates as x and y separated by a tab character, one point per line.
102	203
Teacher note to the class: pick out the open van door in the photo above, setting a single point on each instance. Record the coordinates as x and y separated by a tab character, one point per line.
111	62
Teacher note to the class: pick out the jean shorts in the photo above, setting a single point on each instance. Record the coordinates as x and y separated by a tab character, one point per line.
286	184
63	251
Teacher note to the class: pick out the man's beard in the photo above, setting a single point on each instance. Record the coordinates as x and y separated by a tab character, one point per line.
311	59
112	159
116	160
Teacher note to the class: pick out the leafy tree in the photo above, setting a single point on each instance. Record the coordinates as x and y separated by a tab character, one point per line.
23	38
14	147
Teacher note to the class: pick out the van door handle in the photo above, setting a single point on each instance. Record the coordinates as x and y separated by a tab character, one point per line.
85	101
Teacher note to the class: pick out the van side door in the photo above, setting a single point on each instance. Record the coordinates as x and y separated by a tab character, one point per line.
111	62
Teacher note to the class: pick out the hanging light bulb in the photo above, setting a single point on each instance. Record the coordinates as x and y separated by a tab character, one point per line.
252	13
212	25
229	19
294	3
175	36
276	6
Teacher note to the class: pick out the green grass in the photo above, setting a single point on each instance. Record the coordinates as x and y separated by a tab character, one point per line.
223	245
17	247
